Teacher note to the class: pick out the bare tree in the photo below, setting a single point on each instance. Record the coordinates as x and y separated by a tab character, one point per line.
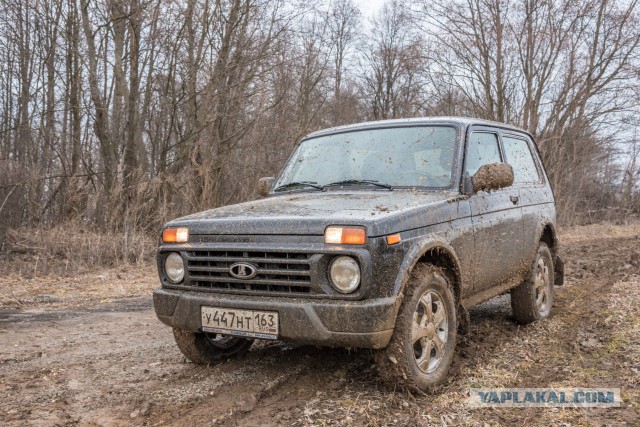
127	113
344	24
391	63
557	68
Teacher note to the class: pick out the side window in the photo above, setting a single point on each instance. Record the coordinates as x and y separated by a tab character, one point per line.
482	149
519	156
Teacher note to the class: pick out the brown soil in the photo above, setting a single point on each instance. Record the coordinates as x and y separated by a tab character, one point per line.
88	358
82	290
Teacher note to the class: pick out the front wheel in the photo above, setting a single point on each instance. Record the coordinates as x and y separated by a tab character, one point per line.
208	348
423	342
533	298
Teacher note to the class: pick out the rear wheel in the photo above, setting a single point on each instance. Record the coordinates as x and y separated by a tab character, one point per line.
423	342
208	348
532	299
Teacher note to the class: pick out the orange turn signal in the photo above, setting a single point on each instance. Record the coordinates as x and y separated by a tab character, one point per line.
345	235
175	235
392	239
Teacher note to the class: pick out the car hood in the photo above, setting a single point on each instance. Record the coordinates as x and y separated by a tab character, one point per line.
309	213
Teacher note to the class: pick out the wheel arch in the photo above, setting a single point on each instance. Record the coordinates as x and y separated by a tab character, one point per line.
549	236
434	251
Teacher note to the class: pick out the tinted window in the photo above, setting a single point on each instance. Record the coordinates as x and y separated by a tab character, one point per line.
518	155
403	156
482	149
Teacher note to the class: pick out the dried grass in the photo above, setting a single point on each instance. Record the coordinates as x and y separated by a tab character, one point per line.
74	247
600	230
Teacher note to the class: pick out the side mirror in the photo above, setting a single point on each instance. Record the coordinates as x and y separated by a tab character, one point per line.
265	185
493	176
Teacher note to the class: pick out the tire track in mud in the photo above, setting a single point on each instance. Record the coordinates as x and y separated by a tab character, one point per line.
99	368
118	365
562	350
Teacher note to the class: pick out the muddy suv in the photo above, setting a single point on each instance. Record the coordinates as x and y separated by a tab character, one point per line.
377	235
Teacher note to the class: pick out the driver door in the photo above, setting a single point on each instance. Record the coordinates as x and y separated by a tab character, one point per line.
496	216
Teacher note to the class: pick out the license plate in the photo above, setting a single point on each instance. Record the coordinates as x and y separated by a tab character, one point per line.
244	323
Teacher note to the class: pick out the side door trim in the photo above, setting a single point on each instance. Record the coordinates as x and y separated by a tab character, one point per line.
497	225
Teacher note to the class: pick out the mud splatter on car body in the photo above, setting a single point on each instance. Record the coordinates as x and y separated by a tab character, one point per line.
482	230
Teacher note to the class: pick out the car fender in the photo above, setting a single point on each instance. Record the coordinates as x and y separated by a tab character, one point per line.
419	247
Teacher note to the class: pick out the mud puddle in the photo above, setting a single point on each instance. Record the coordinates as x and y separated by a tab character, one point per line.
115	364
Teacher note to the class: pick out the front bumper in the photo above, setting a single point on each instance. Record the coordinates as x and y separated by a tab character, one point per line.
366	324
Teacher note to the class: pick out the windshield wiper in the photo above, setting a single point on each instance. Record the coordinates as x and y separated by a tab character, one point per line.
359	181
298	184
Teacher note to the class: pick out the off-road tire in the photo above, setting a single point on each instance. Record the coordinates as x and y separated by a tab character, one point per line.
527	303
398	362
203	348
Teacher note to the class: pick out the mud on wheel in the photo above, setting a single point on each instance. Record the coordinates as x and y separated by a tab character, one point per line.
533	298
208	348
423	343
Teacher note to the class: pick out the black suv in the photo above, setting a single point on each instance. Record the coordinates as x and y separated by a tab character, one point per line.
377	235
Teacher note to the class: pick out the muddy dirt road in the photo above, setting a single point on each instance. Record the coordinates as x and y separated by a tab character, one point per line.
115	364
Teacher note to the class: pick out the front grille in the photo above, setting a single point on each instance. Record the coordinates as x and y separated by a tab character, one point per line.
277	272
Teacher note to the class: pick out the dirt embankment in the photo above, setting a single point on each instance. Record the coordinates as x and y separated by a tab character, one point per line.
90	359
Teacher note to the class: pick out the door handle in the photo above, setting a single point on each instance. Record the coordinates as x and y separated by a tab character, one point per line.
514	199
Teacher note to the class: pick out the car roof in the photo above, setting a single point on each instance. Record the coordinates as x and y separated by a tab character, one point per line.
451	120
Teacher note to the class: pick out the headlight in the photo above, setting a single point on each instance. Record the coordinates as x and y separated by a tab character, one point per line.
345	235
175	235
345	274
174	267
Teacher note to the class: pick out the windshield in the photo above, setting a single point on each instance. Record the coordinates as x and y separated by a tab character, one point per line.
398	157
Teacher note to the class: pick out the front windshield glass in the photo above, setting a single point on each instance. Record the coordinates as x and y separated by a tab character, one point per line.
400	157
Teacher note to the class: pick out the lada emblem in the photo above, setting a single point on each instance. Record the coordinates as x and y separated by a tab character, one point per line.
242	270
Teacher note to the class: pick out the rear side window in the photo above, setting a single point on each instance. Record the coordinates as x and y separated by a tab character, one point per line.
482	149
518	155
